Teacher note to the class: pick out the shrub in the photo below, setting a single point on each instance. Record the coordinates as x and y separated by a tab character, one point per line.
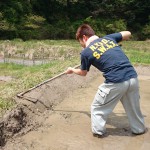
146	31
106	26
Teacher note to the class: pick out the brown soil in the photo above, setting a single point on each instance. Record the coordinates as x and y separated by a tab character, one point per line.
59	118
5	78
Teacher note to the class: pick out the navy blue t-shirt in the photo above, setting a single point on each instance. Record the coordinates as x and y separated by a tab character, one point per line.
107	56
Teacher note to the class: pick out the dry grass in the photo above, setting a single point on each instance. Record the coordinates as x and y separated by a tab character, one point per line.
50	49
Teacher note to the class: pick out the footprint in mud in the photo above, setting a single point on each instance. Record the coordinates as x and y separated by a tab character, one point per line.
66	115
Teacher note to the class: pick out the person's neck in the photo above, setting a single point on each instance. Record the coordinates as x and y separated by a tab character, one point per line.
91	39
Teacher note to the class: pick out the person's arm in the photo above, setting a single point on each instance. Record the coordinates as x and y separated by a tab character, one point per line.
80	72
125	35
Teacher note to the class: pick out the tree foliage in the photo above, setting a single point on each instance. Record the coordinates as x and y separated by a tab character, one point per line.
43	19
15	11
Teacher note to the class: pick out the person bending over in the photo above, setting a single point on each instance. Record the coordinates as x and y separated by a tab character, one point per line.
121	82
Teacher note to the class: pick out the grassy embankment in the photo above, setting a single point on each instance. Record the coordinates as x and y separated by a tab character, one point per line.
64	54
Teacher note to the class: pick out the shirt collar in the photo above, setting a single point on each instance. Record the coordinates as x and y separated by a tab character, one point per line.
91	39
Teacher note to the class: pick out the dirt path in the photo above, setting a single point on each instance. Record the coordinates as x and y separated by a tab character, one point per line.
67	127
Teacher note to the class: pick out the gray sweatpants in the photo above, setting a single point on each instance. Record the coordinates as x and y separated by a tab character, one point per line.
107	97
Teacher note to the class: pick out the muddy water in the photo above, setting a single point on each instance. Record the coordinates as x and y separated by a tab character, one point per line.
68	126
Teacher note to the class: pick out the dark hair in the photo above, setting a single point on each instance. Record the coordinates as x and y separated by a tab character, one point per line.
86	30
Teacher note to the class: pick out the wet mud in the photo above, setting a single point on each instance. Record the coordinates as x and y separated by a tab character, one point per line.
63	122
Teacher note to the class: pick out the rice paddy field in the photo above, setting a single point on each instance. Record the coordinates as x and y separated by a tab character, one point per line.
16	78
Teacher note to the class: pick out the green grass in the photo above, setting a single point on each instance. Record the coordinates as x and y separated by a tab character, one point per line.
25	77
138	52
